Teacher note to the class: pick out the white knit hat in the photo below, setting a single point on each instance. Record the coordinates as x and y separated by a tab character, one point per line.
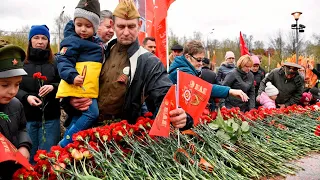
229	54
271	90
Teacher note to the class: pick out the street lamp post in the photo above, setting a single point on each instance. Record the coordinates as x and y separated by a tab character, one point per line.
59	27
298	28
207	47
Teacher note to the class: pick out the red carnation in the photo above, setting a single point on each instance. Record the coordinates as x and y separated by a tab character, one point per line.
44	78
37	75
41	154
148	114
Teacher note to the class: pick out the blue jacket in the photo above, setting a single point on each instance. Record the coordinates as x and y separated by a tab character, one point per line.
77	50
75	56
184	65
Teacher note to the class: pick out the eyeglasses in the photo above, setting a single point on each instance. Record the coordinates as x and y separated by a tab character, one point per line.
197	59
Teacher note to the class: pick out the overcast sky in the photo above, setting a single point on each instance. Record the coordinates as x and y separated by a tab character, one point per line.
262	19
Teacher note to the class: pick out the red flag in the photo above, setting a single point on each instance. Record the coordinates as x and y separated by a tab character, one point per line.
243	48
161	125
161	10
160	28
194	94
8	152
150	18
161	41
141	36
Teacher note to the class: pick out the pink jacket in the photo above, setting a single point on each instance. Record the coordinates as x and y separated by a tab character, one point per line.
265	101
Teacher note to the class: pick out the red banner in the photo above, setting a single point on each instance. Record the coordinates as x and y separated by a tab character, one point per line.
161	41
150	18
160	28
243	48
141	36
8	152
161	10
161	125
194	94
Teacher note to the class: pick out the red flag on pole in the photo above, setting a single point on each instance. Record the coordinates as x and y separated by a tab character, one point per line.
8	152
243	48
161	124
194	94
160	28
150	18
161	41
161	10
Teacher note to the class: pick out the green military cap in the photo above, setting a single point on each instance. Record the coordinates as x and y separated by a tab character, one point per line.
126	10
11	58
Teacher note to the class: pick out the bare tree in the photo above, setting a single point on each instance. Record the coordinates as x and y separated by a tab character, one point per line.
18	37
60	23
313	47
258	45
277	42
249	41
197	35
291	44
173	39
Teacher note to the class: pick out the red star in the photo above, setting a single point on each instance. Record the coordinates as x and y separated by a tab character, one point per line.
14	62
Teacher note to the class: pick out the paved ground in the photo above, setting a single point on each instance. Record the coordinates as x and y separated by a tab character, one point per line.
311	166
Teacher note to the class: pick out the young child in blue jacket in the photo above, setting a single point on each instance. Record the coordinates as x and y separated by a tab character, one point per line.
79	64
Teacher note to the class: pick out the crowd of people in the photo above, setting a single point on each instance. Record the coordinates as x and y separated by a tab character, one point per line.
96	78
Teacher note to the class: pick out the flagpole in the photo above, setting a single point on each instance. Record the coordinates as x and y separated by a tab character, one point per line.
167	44
177	89
177	103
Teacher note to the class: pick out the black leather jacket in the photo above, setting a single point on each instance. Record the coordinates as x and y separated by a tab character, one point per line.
150	82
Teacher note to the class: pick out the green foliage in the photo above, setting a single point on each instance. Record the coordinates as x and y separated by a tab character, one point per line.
230	130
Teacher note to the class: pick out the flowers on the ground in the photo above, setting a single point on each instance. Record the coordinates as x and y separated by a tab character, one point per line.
231	149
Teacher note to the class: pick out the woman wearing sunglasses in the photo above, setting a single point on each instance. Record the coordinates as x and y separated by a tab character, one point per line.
191	63
289	83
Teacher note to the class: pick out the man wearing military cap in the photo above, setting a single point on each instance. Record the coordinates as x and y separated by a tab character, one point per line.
289	83
14	126
131	75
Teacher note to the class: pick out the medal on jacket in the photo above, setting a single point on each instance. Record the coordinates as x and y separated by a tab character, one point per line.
126	70
125	76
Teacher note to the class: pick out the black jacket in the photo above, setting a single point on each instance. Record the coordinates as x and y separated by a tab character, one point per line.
290	90
15	129
262	70
30	86
258	77
238	79
208	75
150	82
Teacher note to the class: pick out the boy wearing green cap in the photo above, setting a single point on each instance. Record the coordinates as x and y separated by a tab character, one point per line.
13	127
